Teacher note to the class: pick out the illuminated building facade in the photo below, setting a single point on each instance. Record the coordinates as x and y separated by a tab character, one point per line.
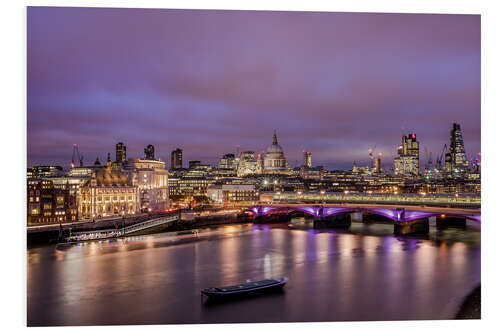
228	161
247	164
151	179
50	204
407	161
43	171
108	192
227	193
456	159
274	161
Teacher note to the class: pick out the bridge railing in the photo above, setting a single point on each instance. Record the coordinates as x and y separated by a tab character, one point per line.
406	198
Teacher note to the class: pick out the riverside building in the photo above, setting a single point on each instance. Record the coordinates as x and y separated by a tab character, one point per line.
108	192
50	204
230	193
151	179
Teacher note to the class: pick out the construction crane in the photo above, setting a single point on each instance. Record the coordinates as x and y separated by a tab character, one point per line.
440	157
76	157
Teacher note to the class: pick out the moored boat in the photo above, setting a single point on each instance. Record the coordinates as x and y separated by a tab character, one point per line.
262	286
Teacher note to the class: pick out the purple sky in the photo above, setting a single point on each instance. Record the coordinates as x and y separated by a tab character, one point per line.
334	84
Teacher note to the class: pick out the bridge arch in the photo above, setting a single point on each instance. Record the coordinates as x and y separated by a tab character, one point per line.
397	215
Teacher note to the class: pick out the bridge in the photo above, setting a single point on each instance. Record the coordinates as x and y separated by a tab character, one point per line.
457	200
124	231
407	219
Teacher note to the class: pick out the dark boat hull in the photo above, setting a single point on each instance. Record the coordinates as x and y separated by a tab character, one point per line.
218	293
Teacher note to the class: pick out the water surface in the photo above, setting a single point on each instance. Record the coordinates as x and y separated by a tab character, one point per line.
362	274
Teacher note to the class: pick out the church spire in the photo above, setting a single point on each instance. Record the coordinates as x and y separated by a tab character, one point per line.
275	139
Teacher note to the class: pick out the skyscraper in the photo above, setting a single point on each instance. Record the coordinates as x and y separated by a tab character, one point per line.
121	152
407	161
457	157
149	152
307	160
378	164
176	159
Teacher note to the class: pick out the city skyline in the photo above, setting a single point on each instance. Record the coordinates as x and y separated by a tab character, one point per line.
318	78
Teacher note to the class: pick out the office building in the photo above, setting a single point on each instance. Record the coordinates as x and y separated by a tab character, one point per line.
121	153
176	159
151	179
228	161
149	152
228	193
307	160
247	164
407	161
456	158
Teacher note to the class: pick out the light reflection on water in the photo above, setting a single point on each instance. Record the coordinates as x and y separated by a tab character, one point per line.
363	273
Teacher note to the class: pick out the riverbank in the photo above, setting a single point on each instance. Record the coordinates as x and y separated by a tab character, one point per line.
471	307
43	237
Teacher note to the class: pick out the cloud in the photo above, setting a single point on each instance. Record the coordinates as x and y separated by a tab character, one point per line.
206	81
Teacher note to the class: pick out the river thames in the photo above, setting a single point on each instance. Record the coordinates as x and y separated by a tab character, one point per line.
365	273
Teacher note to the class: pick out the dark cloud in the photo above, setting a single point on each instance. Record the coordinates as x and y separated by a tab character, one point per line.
207	81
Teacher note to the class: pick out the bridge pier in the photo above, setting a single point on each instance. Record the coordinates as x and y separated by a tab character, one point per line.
443	221
342	220
417	226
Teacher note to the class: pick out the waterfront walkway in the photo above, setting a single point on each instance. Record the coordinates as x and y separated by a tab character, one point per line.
112	233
